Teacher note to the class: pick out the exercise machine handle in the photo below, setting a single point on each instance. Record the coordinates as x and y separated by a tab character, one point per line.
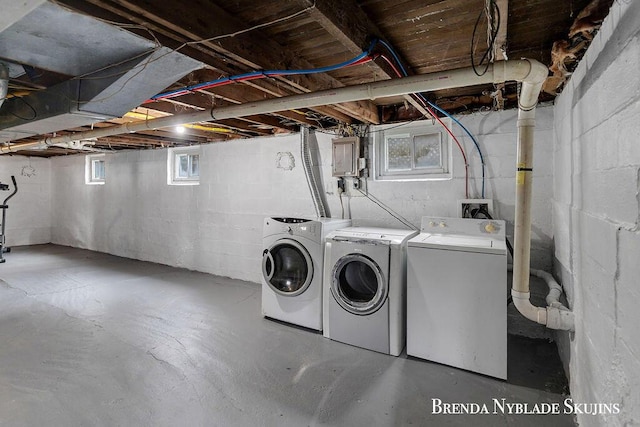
15	190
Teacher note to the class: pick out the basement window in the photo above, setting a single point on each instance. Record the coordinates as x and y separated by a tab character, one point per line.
183	166
95	169
416	152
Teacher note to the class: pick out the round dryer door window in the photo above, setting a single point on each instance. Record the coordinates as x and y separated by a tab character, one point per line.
358	284
287	267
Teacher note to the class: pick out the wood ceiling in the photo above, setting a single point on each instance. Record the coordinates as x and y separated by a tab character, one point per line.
234	37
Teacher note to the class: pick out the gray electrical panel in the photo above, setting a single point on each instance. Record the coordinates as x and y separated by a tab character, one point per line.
346	152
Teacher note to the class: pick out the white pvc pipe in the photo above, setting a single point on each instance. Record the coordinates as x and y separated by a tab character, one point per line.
520	70
555	290
554	317
560	317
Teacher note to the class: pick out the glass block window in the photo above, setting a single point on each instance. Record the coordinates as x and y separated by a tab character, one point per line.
399	152
427	151
418	151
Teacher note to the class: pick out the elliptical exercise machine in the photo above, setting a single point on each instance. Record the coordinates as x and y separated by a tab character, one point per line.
4	207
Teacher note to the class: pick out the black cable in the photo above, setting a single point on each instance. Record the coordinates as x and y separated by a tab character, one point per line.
404	221
495	26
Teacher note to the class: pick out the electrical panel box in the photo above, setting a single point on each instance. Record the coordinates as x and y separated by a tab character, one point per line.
346	152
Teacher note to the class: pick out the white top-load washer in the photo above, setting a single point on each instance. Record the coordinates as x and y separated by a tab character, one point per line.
364	287
292	262
457	294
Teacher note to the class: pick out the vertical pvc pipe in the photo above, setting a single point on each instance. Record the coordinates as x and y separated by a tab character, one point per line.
524	186
522	228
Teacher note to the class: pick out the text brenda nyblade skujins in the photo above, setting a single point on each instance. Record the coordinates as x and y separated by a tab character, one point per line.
502	406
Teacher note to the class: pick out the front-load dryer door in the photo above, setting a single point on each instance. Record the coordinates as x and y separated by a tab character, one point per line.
358	281
287	267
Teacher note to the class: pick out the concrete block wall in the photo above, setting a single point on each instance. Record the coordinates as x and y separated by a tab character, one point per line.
29	213
596	218
216	226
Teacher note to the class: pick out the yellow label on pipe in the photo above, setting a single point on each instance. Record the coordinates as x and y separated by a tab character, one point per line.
520	178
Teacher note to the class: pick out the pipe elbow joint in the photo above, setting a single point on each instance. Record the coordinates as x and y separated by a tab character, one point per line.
553	296
528	310
560	318
555	317
537	73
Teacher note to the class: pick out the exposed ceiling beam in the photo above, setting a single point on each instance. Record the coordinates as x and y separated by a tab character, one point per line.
239	125
500	44
350	25
249	51
199	52
241	93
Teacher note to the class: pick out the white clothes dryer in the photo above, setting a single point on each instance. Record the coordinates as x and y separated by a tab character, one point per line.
457	294
292	262
365	288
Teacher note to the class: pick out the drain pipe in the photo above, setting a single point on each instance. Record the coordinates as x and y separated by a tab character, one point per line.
555	290
4	82
499	72
556	316
312	181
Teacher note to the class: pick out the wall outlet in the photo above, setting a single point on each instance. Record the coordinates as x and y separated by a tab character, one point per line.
356	187
475	208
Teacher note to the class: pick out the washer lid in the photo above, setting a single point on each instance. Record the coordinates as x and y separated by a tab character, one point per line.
456	242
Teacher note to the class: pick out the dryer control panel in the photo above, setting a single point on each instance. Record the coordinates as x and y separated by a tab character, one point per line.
290	220
300	227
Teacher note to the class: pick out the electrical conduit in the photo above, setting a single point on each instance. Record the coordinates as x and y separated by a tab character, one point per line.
312	181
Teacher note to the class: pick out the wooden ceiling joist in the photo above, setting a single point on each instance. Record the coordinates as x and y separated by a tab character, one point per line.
242	36
348	23
249	52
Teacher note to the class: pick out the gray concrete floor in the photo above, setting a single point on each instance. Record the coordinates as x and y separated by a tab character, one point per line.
92	339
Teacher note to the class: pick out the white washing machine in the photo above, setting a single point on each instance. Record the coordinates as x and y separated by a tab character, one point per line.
292	262
457	294
365	286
